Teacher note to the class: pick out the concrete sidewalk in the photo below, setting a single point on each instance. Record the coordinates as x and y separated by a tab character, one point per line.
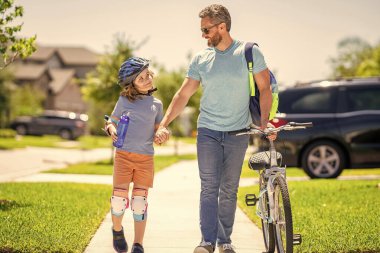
28	161
173	215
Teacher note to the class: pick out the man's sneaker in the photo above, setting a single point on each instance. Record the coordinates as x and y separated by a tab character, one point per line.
137	248
226	248
119	243
204	247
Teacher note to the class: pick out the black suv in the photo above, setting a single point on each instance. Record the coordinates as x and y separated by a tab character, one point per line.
68	125
346	126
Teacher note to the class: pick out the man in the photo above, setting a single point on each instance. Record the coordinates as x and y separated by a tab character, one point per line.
223	73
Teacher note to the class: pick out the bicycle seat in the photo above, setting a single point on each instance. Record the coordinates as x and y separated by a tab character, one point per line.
260	160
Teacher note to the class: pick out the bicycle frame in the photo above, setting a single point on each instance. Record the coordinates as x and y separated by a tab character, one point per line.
267	177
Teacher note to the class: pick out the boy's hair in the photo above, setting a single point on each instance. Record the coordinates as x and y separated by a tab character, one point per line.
131	92
218	13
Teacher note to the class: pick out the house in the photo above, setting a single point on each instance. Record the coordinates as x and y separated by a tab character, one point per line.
55	71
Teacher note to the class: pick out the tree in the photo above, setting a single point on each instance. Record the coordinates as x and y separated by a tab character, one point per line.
352	52
5	94
12	46
100	87
371	65
27	100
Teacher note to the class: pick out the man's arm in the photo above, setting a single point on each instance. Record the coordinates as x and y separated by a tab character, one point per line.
179	101
263	84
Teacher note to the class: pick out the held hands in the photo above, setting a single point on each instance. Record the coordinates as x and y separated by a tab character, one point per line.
162	135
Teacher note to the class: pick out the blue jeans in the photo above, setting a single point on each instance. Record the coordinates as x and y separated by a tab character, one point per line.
220	159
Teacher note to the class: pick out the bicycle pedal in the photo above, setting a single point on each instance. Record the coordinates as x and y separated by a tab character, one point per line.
297	239
250	199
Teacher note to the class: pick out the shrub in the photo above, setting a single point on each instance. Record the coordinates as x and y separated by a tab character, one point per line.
7	133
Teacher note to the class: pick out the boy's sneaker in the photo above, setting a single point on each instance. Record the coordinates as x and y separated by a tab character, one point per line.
137	248
204	247
226	248
119	243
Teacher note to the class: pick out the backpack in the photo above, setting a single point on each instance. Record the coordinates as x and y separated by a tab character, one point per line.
254	102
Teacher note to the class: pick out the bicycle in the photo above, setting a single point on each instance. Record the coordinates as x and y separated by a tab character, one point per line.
273	207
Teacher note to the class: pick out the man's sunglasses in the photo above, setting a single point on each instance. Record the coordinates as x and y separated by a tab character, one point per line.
207	30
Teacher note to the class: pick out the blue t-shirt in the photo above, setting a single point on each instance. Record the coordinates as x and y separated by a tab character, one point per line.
223	75
144	114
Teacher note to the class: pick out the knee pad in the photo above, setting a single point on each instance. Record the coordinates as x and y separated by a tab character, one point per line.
139	204
118	203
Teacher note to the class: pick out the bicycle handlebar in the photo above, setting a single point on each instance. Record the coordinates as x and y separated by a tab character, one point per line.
270	130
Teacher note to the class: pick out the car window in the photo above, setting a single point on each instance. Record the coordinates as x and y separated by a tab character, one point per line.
363	98
308	101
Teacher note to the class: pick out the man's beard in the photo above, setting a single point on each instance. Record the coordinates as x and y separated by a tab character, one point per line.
214	41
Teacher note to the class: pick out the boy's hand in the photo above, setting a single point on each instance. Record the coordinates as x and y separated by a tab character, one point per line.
112	131
157	141
162	135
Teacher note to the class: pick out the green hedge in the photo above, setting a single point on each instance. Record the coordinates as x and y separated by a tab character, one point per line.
7	133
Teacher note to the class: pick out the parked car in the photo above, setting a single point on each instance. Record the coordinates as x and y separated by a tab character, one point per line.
346	126
68	125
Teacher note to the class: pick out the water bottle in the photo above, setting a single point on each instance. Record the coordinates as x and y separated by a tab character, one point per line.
122	128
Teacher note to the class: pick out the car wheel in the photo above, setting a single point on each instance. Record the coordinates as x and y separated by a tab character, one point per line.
65	134
21	130
323	159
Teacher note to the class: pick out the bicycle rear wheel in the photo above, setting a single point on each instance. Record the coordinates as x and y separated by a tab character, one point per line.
267	227
283	217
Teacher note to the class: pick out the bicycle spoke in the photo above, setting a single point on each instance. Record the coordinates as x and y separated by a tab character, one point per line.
267	227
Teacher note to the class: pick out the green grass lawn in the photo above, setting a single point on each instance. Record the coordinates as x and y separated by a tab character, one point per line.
331	215
298	172
52	141
50	217
105	167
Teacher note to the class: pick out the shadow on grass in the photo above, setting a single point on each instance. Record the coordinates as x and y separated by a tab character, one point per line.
8	250
6	205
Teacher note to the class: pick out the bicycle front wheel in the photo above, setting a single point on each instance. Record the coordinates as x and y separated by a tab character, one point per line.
267	227
283	217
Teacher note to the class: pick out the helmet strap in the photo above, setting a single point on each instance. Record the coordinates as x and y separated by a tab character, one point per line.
149	93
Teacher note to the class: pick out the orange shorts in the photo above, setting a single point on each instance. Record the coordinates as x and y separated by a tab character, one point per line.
131	167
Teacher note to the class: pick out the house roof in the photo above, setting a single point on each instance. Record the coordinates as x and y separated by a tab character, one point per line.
77	56
29	71
69	55
61	77
42	53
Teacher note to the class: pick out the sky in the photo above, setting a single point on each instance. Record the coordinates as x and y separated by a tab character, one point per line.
297	37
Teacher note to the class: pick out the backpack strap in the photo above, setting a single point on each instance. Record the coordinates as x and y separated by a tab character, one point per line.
249	59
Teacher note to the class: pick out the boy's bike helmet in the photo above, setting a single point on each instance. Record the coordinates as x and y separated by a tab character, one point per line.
130	69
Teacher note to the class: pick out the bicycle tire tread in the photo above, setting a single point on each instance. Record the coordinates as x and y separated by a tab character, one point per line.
280	181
